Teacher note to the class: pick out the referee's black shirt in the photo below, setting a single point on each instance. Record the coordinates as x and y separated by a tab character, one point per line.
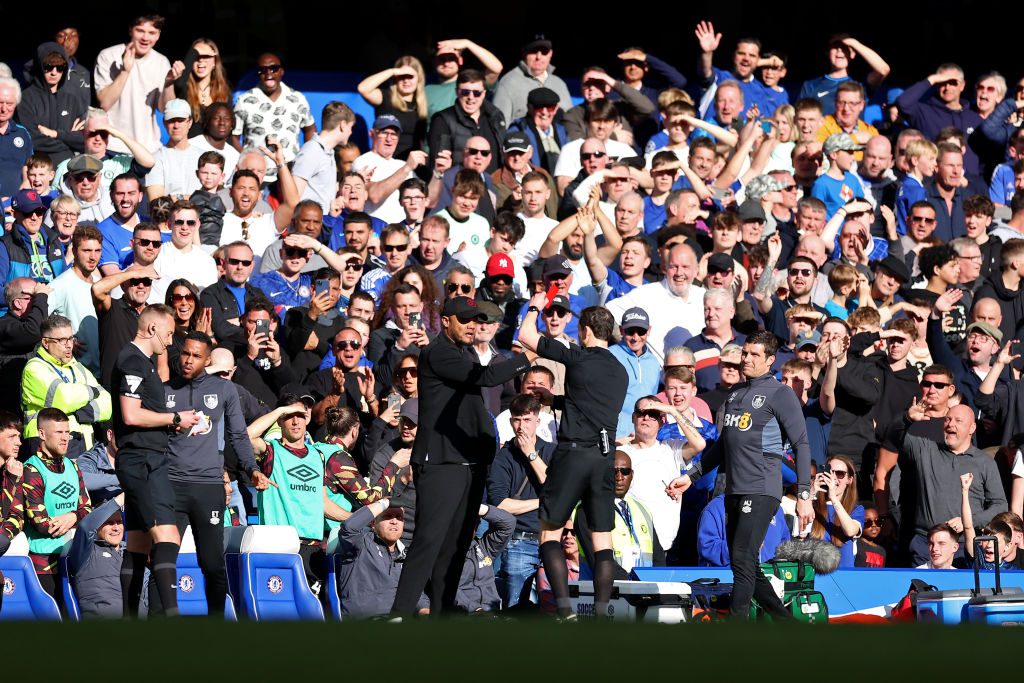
134	376
595	389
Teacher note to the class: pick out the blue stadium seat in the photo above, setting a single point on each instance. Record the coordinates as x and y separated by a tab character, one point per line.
333	598
24	598
192	583
273	582
68	591
233	564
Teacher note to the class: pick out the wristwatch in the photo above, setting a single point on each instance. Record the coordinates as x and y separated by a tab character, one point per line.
531	456
805	495
177	420
533	309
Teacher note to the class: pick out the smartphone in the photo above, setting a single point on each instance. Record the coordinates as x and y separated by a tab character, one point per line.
766	126
394	400
272	147
415	319
445	143
320	286
263	327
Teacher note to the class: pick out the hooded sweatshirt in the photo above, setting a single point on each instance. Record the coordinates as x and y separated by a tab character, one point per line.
55	110
1011	302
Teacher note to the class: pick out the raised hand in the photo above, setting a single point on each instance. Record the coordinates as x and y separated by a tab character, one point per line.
706	36
917	411
678	486
948	299
1007	356
966	480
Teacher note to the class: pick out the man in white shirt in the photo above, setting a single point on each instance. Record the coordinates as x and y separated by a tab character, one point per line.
942	547
601	117
132	79
72	294
174	173
180	258
540	382
678	305
384	172
536	193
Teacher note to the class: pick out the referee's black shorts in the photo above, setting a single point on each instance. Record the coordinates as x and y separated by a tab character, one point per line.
579	473
148	494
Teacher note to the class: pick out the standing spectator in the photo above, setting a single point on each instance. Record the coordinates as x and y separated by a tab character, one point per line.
838	185
387	170
118	317
97	134
471	115
545	135
448	64
203	82
842	49
1005	287
719	310
118	229
746	59
641	365
946	193
181	257
534	71
30	249
315	169
850	101
51	108
214	131
272	108
15	140
133	80
405	99
174	173
72	295
228	296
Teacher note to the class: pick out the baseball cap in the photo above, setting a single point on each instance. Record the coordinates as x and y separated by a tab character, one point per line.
986	328
491	310
841	141
26	201
463	308
85	163
500	264
387	121
762	185
751	210
177	109
560	302
538	42
636	317
721	263
288	398
556	265
808	338
542	97
515	142
897	267
411	410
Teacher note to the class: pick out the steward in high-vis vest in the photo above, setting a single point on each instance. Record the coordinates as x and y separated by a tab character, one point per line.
634	540
297	494
53	378
55	498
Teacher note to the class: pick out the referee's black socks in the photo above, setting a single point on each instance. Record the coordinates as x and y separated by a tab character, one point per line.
553	557
165	573
604	579
133	572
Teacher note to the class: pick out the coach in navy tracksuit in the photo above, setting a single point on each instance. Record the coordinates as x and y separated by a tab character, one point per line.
760	419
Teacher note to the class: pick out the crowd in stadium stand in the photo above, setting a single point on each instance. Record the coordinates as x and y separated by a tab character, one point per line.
272	284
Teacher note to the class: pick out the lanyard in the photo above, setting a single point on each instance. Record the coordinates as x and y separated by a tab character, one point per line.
58	371
623	510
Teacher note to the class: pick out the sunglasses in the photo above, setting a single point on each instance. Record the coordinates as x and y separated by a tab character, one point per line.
455	287
540	51
97	133
36	212
348	344
178	298
652	414
635	331
353	266
734	366
60	68
587	156
295	252
79	177
813	322
872	522
472	152
144	281
469	92
268	69
388	248
142	242
624	471
840	474
922	219
554	312
803	272
928	384
501	278
244	262
191	222
410	371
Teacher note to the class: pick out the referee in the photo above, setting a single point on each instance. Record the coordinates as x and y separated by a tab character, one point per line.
141	428
195	459
581	467
759	420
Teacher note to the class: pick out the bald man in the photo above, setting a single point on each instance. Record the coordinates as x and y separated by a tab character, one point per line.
879	181
937	468
987	310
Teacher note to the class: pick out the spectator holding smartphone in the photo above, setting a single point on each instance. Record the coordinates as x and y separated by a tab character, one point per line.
837	516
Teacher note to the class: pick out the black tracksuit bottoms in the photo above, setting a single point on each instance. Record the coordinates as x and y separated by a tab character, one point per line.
746	522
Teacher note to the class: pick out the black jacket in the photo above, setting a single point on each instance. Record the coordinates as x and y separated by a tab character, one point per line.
455	427
1011	303
858	389
510	309
297	328
451	127
225	307
55	110
264	385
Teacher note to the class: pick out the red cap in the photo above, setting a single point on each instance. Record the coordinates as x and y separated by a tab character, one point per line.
500	264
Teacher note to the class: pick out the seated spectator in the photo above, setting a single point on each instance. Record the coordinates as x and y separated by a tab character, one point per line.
97	467
174	172
718	332
712	546
394	240
183	299
262	369
839	184
30	249
545	596
12	507
837	516
403	492
181	257
1002	548
539	381
49	514
347	383
94	562
309	329
869	551
216	121
400	329
728	377
942	547
635	540
97	133
921	158
389	170
478	590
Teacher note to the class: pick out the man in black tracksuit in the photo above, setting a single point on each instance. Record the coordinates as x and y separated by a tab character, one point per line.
760	419
196	459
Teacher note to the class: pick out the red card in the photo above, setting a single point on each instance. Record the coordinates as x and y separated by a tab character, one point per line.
552	293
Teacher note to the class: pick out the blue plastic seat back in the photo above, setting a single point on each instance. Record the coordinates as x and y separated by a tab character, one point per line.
273	581
24	598
333	598
70	598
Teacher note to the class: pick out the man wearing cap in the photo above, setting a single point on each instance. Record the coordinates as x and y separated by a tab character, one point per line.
174	172
558	271
546	136
499	287
453	449
83	183
98	132
642	367
403	493
196	458
601	117
386	171
294	467
838	185
534	71
30	249
891	273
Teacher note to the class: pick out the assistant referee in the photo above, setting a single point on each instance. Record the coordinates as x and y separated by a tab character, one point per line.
581	467
760	419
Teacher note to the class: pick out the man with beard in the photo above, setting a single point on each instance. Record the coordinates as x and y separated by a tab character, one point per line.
72	295
118	228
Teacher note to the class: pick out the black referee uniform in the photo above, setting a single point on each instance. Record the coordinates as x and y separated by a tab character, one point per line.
141	467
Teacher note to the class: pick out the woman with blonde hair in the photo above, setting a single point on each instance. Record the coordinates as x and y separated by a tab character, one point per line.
203	82
837	515
405	98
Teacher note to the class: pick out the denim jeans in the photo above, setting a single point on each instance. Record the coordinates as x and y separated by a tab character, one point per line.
519	562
